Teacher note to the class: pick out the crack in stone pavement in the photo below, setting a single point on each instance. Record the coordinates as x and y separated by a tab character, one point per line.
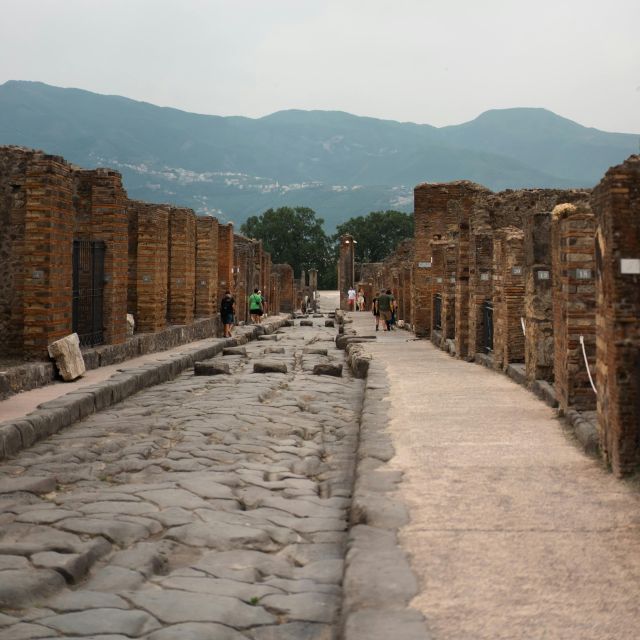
208	507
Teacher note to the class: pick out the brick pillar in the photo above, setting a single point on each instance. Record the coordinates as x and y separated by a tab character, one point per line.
449	292
182	266
48	236
286	286
538	307
616	204
148	265
438	274
461	331
206	266
346	269
110	224
225	259
574	313
508	297
480	287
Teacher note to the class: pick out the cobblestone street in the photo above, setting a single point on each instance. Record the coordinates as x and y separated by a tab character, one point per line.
211	506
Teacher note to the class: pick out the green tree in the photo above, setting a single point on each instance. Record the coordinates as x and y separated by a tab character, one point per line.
294	235
377	234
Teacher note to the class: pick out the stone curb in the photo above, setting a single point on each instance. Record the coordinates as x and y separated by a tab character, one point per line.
378	582
50	417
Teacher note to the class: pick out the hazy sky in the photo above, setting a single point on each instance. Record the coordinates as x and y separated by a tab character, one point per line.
429	61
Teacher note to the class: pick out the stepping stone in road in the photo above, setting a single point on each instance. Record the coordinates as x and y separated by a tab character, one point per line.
274	350
328	370
211	368
329	323
234	351
306	323
271	336
269	366
316	350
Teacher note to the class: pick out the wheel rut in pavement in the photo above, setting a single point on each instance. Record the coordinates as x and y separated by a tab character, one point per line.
211	506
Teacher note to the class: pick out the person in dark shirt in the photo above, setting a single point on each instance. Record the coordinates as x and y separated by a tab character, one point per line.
227	312
385	305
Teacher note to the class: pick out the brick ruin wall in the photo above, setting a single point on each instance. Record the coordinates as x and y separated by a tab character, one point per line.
346	268
616	204
206	266
225	259
182	271
573	304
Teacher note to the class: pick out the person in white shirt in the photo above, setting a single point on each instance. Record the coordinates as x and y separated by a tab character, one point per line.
351	298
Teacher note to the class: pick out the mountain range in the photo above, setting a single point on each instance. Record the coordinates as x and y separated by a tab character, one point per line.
339	164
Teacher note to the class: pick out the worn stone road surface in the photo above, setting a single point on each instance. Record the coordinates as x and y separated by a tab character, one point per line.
209	507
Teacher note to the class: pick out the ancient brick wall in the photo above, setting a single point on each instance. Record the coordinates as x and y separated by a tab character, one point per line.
508	297
225	259
148	265
286	286
14	164
616	204
574	300
182	266
480	288
246	278
538	303
206	266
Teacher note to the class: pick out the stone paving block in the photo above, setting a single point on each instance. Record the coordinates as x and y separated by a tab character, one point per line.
234	351
81	600
274	350
274	337
306	323
306	607
19	587
269	366
383	624
102	621
196	631
328	369
329	323
315	350
211	368
72	566
173	606
37	485
25	631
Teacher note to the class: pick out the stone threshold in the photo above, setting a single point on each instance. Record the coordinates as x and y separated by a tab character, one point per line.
54	415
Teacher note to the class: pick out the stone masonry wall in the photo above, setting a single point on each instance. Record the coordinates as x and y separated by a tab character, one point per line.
346	268
616	204
182	266
574	301
206	266
225	259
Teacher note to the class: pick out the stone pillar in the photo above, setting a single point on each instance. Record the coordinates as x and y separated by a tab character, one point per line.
574	301
206	266
449	293
538	307
508	297
616	204
225	259
461	285
346	270
182	266
313	279
46	284
438	271
148	265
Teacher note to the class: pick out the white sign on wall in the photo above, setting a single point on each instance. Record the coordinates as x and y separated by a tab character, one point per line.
630	266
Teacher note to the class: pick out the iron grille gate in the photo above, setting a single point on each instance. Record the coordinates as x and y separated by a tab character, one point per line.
437	311
487	325
88	288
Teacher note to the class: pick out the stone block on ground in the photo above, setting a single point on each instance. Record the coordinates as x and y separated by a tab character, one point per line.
270	336
343	340
306	323
269	366
68	357
274	350
329	323
328	369
383	624
315	350
234	351
131	324
211	368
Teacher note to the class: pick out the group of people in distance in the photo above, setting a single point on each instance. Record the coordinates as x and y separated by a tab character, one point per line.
257	309
384	306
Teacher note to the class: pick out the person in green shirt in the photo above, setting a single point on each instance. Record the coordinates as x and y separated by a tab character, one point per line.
255	306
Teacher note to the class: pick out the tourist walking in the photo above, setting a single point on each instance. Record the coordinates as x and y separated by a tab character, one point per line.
376	311
351	298
361	300
385	305
255	306
227	313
